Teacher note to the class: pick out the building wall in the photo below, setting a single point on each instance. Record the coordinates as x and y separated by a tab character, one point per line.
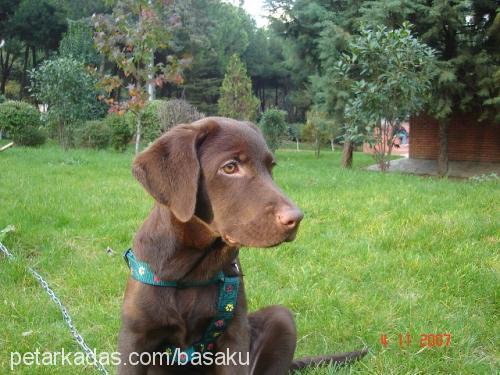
468	139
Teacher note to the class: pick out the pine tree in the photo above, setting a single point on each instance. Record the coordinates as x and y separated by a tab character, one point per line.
236	99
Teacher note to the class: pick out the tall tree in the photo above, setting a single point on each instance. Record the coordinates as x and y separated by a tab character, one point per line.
39	25
9	52
466	35
129	37
387	76
236	100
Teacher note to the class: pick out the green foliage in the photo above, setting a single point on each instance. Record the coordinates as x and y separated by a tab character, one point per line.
78	42
2	98
319	129
38	24
29	136
12	90
236	100
121	130
386	77
129	37
17	115
150	121
274	127
466	35
69	90
94	134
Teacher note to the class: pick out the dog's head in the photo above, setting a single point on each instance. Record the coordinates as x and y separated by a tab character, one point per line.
219	170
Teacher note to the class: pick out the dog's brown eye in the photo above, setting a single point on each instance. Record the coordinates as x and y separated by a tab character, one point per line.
230	167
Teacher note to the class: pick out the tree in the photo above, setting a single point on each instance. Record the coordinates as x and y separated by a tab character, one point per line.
129	37
274	128
69	91
387	74
78	42
466	36
39	25
236	100
10	51
319	129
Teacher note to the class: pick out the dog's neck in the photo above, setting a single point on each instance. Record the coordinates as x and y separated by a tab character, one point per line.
188	251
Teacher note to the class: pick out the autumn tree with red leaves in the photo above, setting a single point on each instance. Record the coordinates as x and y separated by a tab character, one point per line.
129	38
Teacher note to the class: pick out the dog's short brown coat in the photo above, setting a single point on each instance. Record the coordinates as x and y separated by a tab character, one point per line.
213	190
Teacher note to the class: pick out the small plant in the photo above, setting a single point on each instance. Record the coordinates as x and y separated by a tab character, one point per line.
236	98
121	130
69	91
274	128
94	134
150	121
29	136
485	177
177	111
16	116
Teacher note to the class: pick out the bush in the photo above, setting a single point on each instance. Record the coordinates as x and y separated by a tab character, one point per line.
15	116
273	126
94	134
2	99
29	136
176	111
12	89
69	90
121	130
159	115
150	121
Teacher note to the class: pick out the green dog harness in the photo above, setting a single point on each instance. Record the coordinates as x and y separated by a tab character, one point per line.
226	306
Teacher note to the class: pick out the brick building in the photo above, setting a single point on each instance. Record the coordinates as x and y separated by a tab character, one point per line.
468	139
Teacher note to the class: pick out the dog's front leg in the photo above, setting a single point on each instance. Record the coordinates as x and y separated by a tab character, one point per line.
130	347
234	348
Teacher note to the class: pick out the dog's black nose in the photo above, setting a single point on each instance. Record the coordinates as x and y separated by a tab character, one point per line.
290	217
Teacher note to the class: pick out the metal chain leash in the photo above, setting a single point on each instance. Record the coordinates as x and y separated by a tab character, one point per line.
67	318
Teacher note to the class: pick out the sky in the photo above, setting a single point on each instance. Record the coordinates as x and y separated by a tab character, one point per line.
256	10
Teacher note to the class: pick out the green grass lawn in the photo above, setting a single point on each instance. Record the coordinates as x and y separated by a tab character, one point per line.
376	254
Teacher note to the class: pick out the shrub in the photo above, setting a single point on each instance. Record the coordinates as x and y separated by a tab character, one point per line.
150	122
2	99
17	115
94	134
121	130
177	111
273	126
69	90
12	89
29	136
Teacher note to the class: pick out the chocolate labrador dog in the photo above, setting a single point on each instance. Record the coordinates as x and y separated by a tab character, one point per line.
214	192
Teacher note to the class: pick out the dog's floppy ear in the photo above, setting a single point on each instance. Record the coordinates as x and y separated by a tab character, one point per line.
169	169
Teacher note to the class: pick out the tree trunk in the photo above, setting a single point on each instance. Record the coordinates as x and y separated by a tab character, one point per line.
331	144
316	145
102	65
62	136
138	133
33	52
297	141
25	67
6	66
347	154
443	148
3	83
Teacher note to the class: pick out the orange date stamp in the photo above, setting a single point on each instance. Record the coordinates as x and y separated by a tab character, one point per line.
425	340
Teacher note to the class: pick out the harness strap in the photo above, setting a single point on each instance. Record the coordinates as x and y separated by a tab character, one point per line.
141	271
226	307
